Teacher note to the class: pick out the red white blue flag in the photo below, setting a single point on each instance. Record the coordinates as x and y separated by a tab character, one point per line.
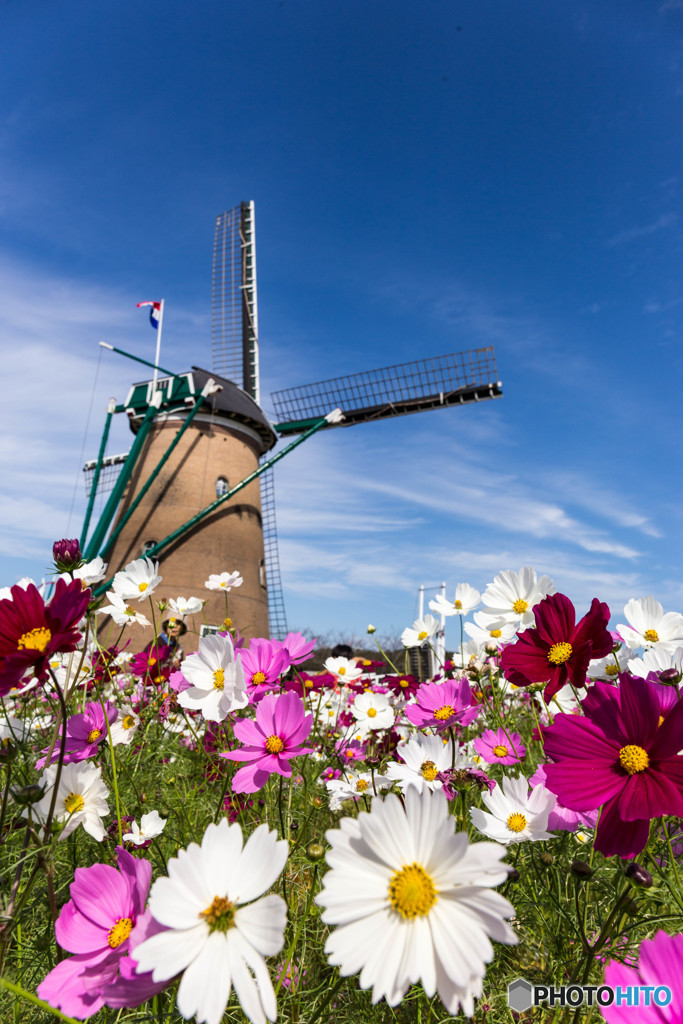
154	313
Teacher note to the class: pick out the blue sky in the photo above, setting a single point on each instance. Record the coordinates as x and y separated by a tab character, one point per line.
428	177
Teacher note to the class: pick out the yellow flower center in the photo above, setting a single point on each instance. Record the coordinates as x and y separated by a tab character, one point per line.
371	712
520	606
130	612
218	679
227	622
308	683
35	640
516	822
258	678
274	745
500	750
559	653
496	633
362	785
403	683
74	803
660	721
429	770
120	932
651	635
443	713
422	635
341	671
128	722
142	587
611	670
634	759
412	892
457	604
349	753
93	735
220	916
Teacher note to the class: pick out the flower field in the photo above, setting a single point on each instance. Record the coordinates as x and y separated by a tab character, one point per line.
228	835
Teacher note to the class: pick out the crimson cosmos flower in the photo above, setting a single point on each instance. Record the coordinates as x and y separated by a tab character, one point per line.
559	649
621	755
32	631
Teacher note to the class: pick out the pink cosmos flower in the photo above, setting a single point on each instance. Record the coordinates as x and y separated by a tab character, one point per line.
297	647
32	631
96	924
660	963
559	649
84	733
561	818
621	755
271	741
498	747
263	664
440	705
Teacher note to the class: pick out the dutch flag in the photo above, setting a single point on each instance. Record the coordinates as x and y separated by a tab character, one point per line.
154	313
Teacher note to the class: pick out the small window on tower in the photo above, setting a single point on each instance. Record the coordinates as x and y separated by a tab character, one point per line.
222	486
262	573
148	545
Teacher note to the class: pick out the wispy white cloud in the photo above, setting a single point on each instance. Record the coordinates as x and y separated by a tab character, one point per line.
666	220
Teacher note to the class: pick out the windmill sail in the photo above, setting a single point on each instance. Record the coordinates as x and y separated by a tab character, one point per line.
453	379
234	313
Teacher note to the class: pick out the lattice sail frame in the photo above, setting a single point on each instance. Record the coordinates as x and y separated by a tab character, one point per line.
234	306
469	376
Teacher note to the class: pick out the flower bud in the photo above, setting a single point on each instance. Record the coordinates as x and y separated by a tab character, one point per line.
580	869
547	859
315	851
371	629
639	875
28	795
317	801
628	905
67	554
670	676
513	875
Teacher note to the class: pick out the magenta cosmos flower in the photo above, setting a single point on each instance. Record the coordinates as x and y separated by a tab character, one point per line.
32	631
271	740
499	747
439	705
660	964
84	733
559	649
262	663
96	925
621	755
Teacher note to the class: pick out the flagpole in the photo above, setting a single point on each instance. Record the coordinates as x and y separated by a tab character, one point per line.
156	357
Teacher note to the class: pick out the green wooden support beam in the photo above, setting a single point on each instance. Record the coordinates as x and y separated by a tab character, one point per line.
104	523
111	409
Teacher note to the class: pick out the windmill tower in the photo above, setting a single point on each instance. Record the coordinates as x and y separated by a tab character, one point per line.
196	488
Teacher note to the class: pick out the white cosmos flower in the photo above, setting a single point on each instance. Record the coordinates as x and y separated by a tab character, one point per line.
217	679
650	627
123	729
372	711
185	606
421	631
412	901
466	599
216	936
138	580
90	573
486	630
512	596
353	785
151	825
81	798
123	614
224	581
656	660
423	758
609	667
516	815
344	669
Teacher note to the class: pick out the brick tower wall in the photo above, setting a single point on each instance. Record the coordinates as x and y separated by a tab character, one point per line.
229	539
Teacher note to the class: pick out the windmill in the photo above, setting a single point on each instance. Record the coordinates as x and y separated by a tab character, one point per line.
196	488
